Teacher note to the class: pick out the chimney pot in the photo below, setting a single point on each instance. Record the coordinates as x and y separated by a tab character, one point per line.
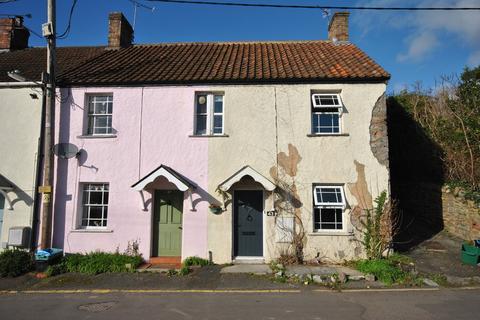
13	34
338	27
120	32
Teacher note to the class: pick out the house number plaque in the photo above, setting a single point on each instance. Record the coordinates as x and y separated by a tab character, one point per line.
271	213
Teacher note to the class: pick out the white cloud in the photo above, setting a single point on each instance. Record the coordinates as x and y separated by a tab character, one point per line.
419	47
425	30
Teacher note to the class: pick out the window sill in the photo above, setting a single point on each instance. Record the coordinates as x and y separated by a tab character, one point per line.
106	136
329	135
331	233
92	231
209	136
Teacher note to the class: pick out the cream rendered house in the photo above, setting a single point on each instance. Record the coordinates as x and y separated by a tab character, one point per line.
20	117
316	150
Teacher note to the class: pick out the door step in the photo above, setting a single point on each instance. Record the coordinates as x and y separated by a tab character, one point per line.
248	260
166	260
148	267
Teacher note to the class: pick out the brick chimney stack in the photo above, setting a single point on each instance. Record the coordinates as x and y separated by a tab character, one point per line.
120	32
13	34
338	27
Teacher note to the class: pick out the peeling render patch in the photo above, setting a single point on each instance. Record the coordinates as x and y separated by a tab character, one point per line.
378	131
359	190
289	163
288	199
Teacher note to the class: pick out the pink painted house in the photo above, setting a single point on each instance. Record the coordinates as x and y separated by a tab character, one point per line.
102	210
181	146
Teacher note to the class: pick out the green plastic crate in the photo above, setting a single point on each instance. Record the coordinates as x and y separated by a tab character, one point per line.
470	254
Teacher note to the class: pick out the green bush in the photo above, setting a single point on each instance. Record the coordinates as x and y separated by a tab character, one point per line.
195	261
101	262
385	270
56	269
14	263
184	271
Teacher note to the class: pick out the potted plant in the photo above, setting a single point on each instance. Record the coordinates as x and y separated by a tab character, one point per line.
214	208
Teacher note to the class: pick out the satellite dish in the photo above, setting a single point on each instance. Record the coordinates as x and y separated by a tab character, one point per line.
65	150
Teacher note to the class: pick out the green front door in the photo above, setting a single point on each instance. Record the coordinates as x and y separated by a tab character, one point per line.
167	223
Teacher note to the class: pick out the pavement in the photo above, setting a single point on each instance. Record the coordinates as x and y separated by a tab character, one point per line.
441	255
215	277
293	304
206	278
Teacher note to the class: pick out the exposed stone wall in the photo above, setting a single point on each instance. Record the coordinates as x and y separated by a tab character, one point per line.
461	217
378	131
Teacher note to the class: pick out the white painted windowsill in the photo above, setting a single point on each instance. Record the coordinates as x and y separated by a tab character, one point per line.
326	233
328	135
92	231
106	136
208	136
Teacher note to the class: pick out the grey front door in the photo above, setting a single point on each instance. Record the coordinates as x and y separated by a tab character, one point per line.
248	223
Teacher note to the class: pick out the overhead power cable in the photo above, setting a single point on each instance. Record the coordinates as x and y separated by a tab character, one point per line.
293	6
67	30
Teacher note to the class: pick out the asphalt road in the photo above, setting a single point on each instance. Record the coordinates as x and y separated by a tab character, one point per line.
442	304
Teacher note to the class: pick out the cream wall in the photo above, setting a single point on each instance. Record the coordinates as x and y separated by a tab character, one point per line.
254	115
20	117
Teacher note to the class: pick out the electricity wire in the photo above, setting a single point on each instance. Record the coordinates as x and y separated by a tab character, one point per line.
292	6
67	30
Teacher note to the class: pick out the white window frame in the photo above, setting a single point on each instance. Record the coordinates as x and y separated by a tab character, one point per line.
333	95
317	203
336	108
209	131
91	131
85	206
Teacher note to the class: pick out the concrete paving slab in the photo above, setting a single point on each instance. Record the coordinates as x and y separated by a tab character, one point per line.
348	271
247	268
304	270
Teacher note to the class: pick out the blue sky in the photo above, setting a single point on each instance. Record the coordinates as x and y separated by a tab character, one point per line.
412	46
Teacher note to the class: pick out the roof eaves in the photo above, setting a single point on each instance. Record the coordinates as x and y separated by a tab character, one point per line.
380	79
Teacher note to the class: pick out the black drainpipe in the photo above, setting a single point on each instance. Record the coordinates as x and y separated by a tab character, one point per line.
37	199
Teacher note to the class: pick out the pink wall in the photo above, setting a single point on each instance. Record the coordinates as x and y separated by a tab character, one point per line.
152	127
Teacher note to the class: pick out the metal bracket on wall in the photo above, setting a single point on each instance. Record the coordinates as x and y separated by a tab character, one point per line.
4	191
144	203
192	206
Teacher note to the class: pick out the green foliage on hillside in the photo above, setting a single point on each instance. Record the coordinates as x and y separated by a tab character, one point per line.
450	116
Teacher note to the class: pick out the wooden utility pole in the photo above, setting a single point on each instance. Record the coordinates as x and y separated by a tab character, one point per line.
49	30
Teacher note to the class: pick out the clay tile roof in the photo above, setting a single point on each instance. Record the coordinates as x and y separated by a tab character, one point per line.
228	62
32	62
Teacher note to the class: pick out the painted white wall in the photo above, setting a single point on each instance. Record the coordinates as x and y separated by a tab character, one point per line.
20	117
